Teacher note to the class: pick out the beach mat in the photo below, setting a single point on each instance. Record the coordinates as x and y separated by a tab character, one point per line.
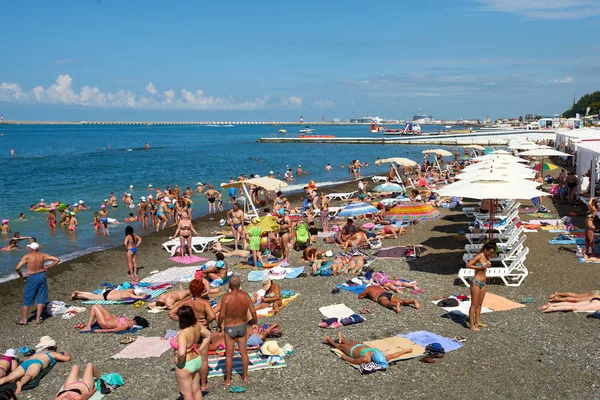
144	347
290	273
544	221
216	366
173	274
499	303
133	329
391	345
395	252
463	308
589	260
336	311
567	241
188	259
269	312
150	295
528	210
353	289
541	215
424	338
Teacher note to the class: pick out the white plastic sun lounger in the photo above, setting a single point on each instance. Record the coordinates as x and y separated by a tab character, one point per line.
341	196
199	243
501	215
379	179
503	206
505	253
502	246
476	238
512	275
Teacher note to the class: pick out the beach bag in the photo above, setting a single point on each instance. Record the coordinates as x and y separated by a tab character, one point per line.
369	368
302	233
449	302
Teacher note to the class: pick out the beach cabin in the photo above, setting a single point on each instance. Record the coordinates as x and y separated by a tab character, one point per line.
574	123
548	123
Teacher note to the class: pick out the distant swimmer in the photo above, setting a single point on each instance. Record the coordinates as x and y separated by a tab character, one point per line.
328	167
12	153
147	146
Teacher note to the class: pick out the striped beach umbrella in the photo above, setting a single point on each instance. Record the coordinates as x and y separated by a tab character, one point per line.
354	209
413	211
389	187
546	166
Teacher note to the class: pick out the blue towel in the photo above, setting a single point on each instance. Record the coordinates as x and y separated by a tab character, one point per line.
294	272
134	329
354	289
567	241
424	338
257	276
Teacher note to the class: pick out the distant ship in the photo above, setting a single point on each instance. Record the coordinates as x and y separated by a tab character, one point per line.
422	118
307	129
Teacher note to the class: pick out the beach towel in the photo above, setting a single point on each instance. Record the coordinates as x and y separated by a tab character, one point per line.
528	210
173	274
425	338
188	259
541	215
336	311
392	345
567	241
396	252
216	366
353	289
129	331
144	347
395	225
150	295
499	303
463	308
269	312
258	276
553	222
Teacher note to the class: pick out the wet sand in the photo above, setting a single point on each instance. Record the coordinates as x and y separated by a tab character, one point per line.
522	354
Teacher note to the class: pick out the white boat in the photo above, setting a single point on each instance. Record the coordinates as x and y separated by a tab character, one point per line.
448	126
307	129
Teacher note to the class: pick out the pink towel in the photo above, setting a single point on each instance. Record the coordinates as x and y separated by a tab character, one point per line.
188	259
144	347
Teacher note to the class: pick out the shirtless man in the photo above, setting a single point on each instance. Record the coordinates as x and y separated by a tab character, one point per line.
387	299
235	217
110	294
113	200
36	287
167	301
233	319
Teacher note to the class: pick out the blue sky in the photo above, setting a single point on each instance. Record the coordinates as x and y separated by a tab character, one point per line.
261	60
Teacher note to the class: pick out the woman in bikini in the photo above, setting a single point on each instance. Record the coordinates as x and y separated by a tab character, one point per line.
284	235
72	223
79	389
106	321
590	246
572	181
480	263
131	242
51	219
184	230
358	353
8	362
161	217
170	299
189	345
96	222
143	213
181	207
211	197
29	369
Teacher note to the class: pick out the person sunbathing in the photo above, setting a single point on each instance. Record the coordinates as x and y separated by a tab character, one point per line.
198	301
557	297
358	353
387	299
271	297
218	248
580	306
359	239
168	300
393	284
311	254
75	388
389	231
8	362
255	337
216	271
31	368
110	294
349	265
106	321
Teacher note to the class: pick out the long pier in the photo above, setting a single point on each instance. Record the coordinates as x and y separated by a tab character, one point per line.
150	123
484	138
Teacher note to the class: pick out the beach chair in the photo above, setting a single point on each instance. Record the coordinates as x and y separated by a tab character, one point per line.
199	243
501	215
503	206
506	254
502	246
341	196
499	226
379	179
512	274
500	237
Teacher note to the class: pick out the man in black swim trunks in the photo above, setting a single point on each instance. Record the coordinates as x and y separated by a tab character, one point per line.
379	295
109	294
233	319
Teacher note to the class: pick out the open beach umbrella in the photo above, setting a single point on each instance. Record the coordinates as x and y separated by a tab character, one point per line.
496	174
500	158
506	167
546	166
544	153
269	184
388	187
358	208
474	148
404	162
437	152
527	146
493	189
413	212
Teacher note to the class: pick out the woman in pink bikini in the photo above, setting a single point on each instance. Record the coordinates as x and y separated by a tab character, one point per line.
75	388
106	321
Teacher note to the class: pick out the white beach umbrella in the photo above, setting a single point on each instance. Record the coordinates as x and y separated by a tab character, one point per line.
527	146
499	190
438	152
496	174
500	157
474	146
496	164
405	162
500	151
544	153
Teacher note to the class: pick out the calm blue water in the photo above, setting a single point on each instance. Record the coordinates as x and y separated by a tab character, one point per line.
70	163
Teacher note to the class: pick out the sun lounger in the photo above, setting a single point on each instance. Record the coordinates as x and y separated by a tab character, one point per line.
513	273
341	196
503	247
379	179
199	243
497	237
503	206
505	253
501	215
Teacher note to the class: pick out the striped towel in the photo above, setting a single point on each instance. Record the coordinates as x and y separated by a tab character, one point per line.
174	274
151	293
269	312
216	366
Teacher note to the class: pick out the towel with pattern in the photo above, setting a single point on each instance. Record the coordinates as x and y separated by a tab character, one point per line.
150	295
216	366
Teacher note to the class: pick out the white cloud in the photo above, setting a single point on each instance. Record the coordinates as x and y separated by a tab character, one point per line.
568	79
62	92
292	101
151	89
323	103
544	9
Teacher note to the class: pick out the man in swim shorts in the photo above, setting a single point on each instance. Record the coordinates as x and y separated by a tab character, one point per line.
380	296
236	217
110	294
233	320
36	288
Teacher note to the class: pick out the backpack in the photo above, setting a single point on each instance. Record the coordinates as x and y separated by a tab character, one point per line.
302	233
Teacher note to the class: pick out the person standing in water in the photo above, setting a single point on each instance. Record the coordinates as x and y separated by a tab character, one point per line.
131	242
480	263
12	153
104	220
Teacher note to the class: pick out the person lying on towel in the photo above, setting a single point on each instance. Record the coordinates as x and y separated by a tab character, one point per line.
394	284
110	294
216	271
256	337
357	353
269	296
168	300
106	321
580	306
558	297
387	299
351	265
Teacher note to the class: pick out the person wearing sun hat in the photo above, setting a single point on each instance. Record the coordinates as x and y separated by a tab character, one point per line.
36	287
200	187
8	362
5	227
72	222
82	205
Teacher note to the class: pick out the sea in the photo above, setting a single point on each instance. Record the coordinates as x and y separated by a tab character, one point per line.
87	162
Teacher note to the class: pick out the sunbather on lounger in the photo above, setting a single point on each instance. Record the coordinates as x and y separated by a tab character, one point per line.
29	369
110	294
581	306
387	299
75	388
393	284
357	353
169	299
108	322
557	297
255	334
